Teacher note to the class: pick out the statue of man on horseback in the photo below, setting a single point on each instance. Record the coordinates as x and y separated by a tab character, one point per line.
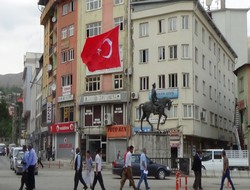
155	106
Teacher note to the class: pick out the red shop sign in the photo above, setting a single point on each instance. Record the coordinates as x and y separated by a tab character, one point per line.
68	127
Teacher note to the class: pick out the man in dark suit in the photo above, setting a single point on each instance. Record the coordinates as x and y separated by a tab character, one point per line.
78	171
196	167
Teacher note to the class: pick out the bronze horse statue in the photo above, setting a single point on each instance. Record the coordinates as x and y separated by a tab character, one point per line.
149	107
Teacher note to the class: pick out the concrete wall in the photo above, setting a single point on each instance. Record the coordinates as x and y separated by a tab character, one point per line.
157	145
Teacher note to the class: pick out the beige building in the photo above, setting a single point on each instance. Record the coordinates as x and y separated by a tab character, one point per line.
177	46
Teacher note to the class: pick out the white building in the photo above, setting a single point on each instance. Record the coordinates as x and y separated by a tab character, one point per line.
177	46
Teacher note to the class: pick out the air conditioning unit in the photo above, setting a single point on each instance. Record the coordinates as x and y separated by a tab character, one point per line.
134	95
107	119
203	115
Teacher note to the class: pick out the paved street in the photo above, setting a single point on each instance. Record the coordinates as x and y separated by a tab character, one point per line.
55	178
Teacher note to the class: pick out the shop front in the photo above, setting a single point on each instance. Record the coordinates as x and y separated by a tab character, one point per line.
64	138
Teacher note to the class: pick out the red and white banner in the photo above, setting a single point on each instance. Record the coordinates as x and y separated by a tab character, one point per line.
68	127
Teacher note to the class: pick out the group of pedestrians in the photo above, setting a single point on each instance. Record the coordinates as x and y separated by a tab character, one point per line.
197	166
89	165
127	172
29	163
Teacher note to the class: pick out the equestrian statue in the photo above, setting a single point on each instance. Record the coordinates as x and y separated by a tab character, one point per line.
155	106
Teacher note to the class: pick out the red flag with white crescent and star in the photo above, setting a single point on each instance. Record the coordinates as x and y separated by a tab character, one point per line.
102	51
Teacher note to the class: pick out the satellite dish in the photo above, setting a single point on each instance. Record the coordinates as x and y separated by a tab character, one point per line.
53	19
53	87
49	67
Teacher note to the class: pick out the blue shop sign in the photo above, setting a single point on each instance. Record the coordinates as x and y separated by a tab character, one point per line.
171	93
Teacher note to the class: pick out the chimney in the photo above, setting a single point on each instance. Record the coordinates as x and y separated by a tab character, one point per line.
223	4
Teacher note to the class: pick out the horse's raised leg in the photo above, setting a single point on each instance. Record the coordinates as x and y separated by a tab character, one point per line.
165	119
142	118
150	123
158	122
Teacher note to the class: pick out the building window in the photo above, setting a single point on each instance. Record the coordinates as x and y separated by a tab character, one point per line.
219	98
161	53
118	2
210	92
161	24
64	57
215	95
185	48
196	112
67	114
93	4
204	88
241	84
93	83
93	29
71	30
66	80
172	78
212	118
144	56
196	83
204	115
228	65
172	113
161	81
71	6
143	30
203	35
184	23
196	55
119	22
203	62
185	80
64	33
209	42
215	72
228	84
65	9
196	27
118	81
210	68
71	54
188	111
144	83
172	24
173	52
219	76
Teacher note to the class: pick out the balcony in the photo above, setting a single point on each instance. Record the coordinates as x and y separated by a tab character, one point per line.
48	10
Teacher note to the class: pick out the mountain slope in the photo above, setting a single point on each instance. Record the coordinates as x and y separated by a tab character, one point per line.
10	80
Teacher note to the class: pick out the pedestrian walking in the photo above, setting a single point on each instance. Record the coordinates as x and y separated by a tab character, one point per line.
124	157
98	169
78	171
196	167
89	164
127	170
53	153
25	169
31	164
40	158
118	156
72	152
144	170
226	171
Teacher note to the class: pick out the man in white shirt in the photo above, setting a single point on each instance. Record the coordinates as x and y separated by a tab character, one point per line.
98	169
127	171
144	170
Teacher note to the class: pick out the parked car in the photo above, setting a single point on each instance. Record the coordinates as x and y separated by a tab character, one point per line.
18	167
14	152
2	149
158	171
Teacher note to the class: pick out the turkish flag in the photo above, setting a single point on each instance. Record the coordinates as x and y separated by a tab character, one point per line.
102	51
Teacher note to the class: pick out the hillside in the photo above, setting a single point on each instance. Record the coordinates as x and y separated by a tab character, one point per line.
10	80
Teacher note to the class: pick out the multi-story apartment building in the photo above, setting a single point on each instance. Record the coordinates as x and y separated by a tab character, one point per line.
59	80
31	64
178	47
104	94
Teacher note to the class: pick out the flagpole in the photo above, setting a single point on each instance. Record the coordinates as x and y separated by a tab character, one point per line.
128	80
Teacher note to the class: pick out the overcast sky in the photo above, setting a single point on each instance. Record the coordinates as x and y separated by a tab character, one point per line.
21	32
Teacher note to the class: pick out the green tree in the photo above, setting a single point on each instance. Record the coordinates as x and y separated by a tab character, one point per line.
5	120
